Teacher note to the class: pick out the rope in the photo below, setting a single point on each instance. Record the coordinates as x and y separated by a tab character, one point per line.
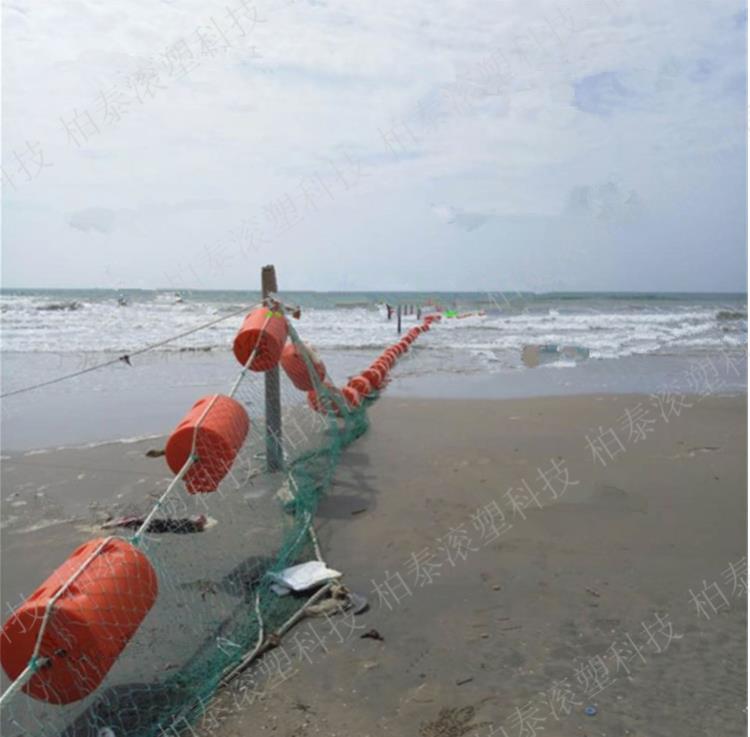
125	357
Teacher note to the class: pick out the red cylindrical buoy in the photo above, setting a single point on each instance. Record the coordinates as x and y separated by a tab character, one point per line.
219	438
295	366
389	358
326	402
374	375
90	624
269	337
352	396
361	385
383	365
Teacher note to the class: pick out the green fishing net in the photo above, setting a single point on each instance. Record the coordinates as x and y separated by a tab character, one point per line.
214	595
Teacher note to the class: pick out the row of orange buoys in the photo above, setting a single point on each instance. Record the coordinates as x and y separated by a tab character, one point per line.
372	379
103	591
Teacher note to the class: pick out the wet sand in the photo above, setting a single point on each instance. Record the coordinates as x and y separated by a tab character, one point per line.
515	619
514	631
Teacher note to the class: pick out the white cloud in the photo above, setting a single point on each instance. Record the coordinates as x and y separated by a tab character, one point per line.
96	219
503	109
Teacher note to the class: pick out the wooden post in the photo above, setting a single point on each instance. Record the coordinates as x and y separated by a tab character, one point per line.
419	313
398	314
274	453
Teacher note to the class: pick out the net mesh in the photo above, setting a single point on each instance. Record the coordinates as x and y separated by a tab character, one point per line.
143	625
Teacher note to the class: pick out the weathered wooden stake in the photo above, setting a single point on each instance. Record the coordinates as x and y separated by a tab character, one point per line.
398	313
274	453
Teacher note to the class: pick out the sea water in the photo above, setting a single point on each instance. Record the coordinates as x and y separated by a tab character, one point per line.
633	343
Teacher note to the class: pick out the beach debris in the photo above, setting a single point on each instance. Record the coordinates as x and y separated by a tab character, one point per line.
359	602
126	359
203	586
359	511
591	711
462	681
372	634
304	576
326	607
452	722
155	453
280	590
285	494
593	592
196	523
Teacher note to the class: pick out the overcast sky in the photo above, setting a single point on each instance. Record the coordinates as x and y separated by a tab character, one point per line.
465	145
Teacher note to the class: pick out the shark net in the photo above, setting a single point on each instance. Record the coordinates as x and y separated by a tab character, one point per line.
134	633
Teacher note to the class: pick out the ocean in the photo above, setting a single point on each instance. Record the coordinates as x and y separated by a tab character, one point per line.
588	342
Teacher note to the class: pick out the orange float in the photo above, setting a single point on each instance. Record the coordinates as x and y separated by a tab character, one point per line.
219	438
269	337
294	365
375	376
383	365
326	404
352	397
361	385
90	623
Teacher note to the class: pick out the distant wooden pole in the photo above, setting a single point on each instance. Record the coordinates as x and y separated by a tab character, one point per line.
398	314
274	454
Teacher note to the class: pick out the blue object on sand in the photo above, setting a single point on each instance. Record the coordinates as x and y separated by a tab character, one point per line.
591	711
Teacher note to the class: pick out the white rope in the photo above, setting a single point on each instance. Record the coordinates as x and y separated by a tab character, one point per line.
263	644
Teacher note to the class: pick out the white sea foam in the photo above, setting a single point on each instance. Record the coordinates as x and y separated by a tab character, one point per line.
72	336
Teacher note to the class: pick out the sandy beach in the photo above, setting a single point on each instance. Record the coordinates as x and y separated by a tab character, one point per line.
529	621
515	576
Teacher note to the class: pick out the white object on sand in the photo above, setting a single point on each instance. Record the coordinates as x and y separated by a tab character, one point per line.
305	575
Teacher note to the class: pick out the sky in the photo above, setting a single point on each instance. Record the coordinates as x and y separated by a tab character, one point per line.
475	145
